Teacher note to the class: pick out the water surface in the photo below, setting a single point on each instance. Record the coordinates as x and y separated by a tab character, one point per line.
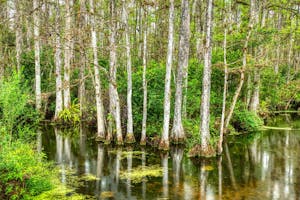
263	166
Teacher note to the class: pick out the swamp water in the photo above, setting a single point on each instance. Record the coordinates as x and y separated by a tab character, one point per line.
263	165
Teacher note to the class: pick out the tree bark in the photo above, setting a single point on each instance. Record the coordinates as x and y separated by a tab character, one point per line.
220	143
99	103
36	19
164	143
129	136
178	135
58	85
82	60
206	148
145	92
18	28
113	93
67	55
254	103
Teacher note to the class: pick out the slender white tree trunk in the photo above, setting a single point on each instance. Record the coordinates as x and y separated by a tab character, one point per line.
68	55
254	103
99	103
220	143
129	136
178	135
145	92
164	143
18	28
58	85
290	56
113	93
36	31
206	84
82	61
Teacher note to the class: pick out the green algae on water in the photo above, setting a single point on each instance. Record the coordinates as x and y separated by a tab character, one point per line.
141	173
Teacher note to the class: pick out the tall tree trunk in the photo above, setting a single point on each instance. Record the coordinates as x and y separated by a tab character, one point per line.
99	103
206	148
18	28
164	143
113	93
129	136
145	92
67	55
254	103
178	135
279	23
290	54
220	143
82	60
58	84
36	19
242	71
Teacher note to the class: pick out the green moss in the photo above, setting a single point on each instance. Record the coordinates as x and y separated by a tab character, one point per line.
141	173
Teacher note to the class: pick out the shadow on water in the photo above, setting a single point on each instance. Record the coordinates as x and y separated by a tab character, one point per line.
258	166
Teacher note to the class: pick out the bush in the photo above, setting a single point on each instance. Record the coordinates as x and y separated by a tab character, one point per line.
16	116
70	115
22	172
246	121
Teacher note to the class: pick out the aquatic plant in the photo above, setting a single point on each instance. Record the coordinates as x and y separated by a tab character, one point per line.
141	173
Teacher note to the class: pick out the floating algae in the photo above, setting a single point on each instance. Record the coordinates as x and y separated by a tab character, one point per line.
207	168
106	194
61	192
141	173
88	177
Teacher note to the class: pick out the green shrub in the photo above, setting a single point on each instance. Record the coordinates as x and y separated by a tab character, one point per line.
246	121
70	115
17	116
22	172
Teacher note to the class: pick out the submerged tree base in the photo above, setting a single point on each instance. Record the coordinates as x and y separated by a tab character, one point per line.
143	142
129	138
198	151
164	145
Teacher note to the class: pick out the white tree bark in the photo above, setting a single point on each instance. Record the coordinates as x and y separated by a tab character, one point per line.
58	84
36	32
67	55
145	92
18	28
99	103
83	62
254	103
206	83
220	143
113	93
164	143
129	136
178	134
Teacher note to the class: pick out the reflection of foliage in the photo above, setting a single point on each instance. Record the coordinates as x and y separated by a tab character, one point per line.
141	173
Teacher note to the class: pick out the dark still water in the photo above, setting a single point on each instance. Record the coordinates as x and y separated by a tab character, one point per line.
264	165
